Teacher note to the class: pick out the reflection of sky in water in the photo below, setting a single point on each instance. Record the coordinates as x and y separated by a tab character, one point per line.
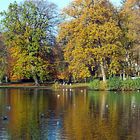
54	127
76	114
4	134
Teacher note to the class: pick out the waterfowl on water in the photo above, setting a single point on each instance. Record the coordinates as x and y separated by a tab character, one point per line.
42	115
8	107
106	106
5	118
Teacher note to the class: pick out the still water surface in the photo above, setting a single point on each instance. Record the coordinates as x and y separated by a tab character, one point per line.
80	114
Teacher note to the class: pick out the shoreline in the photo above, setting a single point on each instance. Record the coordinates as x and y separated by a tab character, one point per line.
52	86
44	86
24	85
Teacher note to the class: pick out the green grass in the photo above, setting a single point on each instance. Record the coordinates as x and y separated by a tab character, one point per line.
116	84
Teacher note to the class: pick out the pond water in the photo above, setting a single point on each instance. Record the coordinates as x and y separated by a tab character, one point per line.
77	114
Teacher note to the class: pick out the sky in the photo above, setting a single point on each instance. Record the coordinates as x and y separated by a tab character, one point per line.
61	3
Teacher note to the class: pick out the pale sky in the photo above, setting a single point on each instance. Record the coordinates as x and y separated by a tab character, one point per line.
61	3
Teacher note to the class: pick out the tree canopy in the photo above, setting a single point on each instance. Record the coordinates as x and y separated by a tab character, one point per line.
3	58
27	31
91	37
94	39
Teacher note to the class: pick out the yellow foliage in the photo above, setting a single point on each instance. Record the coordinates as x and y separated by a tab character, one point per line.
90	35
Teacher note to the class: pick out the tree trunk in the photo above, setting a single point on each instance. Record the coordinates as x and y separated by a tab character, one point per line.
124	75
103	72
120	76
36	81
6	79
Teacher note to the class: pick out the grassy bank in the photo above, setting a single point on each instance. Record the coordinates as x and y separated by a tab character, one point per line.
116	84
75	85
113	84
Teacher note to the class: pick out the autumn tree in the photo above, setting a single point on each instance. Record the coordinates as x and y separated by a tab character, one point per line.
26	30
51	12
59	67
91	37
3	59
132	9
129	22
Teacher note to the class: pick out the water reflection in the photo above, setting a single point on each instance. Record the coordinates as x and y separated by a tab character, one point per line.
72	114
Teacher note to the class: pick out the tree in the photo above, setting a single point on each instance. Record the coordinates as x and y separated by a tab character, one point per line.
51	12
3	59
132	8
91	37
129	22
26	30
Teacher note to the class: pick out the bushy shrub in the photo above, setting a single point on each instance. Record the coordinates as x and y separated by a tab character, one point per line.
114	83
56	85
103	85
137	83
94	84
130	84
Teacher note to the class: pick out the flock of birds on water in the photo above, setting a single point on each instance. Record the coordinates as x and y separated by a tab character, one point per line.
8	108
42	115
65	89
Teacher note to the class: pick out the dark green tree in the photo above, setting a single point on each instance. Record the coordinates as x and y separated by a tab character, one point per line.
3	58
27	31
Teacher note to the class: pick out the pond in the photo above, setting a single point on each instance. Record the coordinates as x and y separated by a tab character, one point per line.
73	114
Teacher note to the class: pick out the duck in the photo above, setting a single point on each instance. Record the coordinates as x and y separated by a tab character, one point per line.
42	115
81	90
8	107
5	118
106	106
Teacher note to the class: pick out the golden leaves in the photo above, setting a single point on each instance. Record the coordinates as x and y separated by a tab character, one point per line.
92	36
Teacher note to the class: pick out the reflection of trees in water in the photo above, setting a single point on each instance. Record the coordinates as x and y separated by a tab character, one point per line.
74	114
102	116
119	121
25	116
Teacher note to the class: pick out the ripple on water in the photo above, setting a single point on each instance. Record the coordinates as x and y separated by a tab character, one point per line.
4	134
74	116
